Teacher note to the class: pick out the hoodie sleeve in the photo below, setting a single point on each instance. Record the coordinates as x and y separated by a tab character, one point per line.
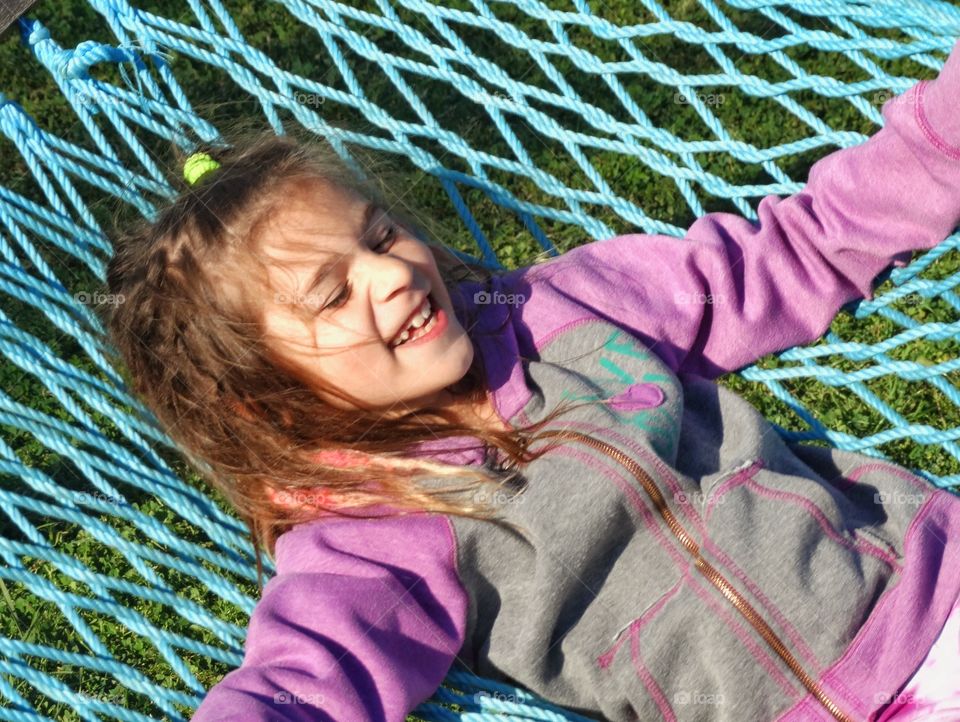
731	290
344	635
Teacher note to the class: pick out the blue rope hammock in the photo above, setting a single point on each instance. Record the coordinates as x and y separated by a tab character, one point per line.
118	493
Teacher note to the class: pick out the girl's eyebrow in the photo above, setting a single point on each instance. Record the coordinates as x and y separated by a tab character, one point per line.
327	266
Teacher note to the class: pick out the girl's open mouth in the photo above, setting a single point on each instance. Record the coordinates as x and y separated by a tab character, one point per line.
427	323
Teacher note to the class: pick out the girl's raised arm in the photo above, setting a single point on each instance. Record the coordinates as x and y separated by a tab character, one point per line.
361	623
732	291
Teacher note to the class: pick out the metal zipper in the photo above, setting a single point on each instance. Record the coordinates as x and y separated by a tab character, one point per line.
710	572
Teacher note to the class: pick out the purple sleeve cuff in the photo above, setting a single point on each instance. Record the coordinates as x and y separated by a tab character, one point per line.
362	622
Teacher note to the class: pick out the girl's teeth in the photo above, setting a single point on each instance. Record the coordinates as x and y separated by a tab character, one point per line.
422	317
420	332
420	326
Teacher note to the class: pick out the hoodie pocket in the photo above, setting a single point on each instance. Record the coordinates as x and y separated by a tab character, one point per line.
789	536
714	488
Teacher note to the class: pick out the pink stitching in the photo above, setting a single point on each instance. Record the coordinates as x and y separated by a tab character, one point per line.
792	633
925	126
679	495
648	681
632	633
551	336
646	514
632	494
666	473
830	677
455	563
861	544
763	659
604	660
454	557
734	480
854	476
805	705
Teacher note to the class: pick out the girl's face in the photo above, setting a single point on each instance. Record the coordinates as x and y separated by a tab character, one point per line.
346	284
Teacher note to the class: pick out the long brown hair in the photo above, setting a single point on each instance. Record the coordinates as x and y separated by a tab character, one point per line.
189	335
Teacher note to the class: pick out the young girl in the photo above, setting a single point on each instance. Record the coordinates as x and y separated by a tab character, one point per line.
534	473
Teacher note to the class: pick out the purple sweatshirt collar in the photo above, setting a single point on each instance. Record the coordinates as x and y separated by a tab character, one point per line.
491	327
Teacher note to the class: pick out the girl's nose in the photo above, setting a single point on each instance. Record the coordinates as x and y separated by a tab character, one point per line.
388	275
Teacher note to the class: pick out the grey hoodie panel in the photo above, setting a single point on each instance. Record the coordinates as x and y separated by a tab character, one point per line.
603	574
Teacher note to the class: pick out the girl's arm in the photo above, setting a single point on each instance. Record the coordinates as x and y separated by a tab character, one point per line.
362	623
732	291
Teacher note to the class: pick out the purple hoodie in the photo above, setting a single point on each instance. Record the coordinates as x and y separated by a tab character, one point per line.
365	617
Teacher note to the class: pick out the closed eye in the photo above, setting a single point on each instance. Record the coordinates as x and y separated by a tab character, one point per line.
383	245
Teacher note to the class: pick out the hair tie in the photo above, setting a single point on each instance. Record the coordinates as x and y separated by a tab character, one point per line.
197	166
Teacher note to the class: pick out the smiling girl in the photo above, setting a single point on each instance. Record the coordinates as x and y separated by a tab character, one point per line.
366	304
552	491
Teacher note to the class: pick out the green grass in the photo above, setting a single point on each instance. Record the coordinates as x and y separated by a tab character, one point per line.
299	49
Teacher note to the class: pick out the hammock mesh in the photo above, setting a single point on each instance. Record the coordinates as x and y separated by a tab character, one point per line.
125	586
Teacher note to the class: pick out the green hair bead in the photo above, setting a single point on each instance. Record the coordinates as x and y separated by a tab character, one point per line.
197	166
